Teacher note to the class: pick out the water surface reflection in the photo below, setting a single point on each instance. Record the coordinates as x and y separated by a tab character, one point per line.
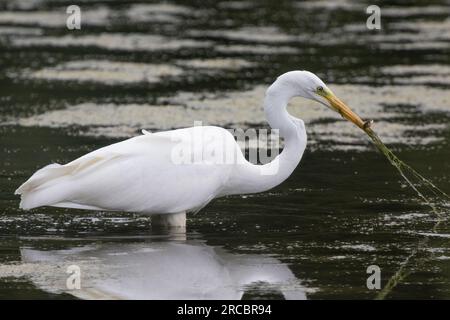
148	269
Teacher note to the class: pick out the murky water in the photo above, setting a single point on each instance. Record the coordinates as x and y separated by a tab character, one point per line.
161	66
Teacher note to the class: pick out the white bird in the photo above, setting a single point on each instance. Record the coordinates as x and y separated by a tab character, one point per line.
144	175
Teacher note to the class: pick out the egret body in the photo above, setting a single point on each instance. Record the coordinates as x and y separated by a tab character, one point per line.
140	174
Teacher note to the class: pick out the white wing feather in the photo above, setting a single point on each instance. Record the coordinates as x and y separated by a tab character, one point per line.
137	175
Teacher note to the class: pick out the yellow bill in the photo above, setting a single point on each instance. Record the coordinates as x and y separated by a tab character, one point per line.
340	107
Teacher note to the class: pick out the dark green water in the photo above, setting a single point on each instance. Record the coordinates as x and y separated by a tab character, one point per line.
64	93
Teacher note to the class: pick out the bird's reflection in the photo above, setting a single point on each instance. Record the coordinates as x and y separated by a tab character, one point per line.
187	269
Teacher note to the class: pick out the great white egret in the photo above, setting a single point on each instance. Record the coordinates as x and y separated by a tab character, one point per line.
140	174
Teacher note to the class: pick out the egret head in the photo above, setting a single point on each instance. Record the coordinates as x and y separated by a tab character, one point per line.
306	84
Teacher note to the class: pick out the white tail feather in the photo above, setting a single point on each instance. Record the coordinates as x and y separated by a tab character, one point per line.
43	187
52	185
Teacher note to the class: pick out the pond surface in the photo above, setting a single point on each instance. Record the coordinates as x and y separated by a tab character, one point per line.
140	65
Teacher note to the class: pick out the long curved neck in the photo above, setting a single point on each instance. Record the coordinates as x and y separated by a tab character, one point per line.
251	178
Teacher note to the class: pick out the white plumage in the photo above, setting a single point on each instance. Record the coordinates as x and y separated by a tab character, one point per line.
135	175
143	175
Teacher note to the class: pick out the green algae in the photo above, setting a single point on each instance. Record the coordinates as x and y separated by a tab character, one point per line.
426	190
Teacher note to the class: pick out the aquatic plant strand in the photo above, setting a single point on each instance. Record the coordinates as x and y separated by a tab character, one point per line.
402	272
409	174
404	171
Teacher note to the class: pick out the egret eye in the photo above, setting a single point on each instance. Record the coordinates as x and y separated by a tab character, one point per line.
319	89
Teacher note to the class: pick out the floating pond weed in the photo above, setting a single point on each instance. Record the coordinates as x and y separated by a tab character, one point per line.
433	197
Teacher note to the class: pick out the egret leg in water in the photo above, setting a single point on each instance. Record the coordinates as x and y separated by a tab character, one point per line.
171	220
